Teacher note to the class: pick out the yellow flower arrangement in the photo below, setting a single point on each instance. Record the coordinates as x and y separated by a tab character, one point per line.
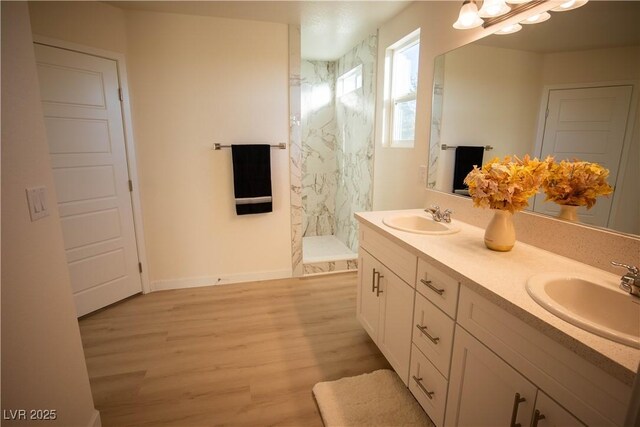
506	184
576	183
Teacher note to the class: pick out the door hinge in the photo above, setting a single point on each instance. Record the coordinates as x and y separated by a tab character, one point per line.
130	186
120	94
140	267
546	113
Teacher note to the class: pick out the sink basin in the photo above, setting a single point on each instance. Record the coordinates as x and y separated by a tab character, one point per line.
420	224
598	307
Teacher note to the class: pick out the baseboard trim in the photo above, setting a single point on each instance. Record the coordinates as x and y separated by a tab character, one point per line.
95	419
224	279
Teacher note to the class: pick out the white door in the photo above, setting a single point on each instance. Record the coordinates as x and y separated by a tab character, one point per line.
83	120
588	124
368	311
396	315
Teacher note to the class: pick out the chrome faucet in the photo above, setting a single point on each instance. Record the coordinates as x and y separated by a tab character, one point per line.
630	282
437	215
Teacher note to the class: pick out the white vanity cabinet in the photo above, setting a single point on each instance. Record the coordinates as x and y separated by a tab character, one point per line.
384	304
466	356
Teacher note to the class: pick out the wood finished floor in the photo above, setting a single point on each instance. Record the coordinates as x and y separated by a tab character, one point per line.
234	355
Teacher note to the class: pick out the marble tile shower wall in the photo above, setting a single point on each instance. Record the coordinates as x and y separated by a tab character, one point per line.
355	123
319	165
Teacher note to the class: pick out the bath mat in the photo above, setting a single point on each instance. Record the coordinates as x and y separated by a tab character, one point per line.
376	399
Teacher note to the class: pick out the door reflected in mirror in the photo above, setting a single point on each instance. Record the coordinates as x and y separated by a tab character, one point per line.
567	87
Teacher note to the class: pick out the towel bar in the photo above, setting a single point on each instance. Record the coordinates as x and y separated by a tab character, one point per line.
448	147
281	146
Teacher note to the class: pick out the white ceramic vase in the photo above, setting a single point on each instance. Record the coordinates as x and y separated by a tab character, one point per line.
500	234
569	213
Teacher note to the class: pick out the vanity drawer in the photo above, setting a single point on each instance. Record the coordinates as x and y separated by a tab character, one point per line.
428	319
399	260
428	386
439	288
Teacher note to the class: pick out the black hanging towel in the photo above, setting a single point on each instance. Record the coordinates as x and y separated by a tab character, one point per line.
252	178
466	158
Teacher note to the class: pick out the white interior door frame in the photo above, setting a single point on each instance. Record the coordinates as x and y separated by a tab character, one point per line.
544	99
127	122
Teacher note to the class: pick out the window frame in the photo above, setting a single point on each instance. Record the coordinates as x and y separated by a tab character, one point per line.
355	71
390	102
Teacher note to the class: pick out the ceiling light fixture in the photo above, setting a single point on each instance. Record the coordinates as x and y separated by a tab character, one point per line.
493	8
497	11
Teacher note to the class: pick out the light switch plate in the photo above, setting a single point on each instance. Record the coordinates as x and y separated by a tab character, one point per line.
37	200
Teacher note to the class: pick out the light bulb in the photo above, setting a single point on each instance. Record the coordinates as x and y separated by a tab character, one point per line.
567	4
468	17
492	8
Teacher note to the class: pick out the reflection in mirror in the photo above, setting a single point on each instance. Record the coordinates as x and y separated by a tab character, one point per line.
567	87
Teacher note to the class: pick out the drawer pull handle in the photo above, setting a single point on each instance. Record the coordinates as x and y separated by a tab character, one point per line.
537	416
427	392
376	283
433	288
517	400
373	280
423	329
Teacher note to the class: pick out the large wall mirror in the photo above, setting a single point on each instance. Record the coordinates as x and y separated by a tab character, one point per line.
567	87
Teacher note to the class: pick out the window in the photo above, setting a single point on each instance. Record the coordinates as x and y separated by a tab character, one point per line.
349	81
400	87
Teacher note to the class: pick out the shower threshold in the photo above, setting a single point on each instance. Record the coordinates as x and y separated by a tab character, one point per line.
317	249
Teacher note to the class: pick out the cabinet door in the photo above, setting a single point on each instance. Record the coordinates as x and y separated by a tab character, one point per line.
483	389
368	310
549	414
396	316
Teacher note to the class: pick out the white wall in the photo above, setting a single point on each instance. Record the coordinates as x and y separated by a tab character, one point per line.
589	66
90	23
43	363
195	81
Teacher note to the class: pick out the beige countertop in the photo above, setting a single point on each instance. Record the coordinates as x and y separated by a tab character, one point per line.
501	277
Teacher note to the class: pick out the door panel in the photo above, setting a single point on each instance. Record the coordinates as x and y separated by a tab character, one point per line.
394	337
74	136
483	387
83	120
369	302
553	415
587	124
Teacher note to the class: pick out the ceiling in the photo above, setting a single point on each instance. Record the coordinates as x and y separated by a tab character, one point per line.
328	28
596	25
